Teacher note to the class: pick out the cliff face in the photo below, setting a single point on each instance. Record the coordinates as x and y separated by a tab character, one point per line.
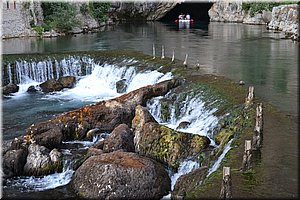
141	10
226	12
285	18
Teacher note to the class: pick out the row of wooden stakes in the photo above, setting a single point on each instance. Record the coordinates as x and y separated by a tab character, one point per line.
173	56
255	144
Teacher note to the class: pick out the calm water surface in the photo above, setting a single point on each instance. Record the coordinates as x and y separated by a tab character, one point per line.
237	51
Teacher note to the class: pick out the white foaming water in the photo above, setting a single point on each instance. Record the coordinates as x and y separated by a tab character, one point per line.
86	144
202	120
53	180
98	84
147	78
46	182
216	165
185	168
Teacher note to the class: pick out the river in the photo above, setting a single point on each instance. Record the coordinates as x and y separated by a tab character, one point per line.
238	51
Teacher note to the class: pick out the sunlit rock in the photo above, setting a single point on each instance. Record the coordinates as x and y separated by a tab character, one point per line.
119	175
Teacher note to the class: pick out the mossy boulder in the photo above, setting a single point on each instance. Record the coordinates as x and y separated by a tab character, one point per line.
165	144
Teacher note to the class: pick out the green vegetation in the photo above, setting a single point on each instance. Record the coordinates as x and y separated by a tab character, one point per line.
59	16
258	7
39	30
99	10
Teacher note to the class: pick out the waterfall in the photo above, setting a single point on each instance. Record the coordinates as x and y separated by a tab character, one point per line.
202	121
41	71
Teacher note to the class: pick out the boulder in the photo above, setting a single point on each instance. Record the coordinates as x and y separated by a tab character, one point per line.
165	144
121	86
91	133
183	125
120	139
51	86
67	81
104	115
32	89
13	162
57	85
10	88
119	175
40	161
188	182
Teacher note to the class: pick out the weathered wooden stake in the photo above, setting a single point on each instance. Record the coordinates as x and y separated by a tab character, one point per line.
247	158
258	129
153	51
197	65
173	56
226	189
250	96
162	52
185	60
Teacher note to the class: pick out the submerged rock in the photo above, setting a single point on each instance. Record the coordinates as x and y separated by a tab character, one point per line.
121	86
165	144
10	88
31	89
183	125
189	182
120	139
120	175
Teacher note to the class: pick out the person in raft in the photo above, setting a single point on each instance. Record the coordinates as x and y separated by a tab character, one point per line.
187	17
181	16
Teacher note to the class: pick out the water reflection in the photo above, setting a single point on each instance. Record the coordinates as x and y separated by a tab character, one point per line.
238	51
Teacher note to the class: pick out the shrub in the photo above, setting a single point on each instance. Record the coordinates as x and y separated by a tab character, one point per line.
59	16
259	7
39	30
99	10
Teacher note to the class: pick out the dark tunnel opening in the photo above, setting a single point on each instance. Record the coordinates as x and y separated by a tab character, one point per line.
198	11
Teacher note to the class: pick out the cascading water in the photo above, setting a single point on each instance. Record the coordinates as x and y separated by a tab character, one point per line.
201	120
97	82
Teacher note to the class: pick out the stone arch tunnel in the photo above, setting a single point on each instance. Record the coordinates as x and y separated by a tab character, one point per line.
197	10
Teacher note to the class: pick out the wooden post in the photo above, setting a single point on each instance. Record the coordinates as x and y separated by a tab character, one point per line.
226	189
153	51
173	56
247	158
250	96
185	60
162	52
258	129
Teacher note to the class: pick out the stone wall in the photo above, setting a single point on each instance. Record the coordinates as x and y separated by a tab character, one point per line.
15	20
286	18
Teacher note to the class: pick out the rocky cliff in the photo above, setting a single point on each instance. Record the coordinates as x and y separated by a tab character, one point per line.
286	18
141	10
282	18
